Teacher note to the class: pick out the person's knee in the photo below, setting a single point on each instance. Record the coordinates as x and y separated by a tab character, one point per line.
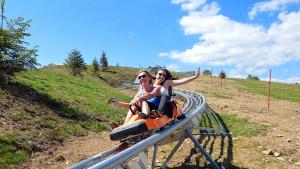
144	103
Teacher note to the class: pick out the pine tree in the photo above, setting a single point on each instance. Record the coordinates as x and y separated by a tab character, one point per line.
15	55
103	61
207	72
75	62
252	77
95	66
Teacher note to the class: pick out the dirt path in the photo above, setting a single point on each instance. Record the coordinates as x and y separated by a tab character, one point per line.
70	152
282	136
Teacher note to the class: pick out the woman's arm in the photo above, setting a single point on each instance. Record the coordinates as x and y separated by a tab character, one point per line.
121	104
124	104
184	80
155	92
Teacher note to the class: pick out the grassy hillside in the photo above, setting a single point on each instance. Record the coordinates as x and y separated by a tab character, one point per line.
44	107
290	92
115	76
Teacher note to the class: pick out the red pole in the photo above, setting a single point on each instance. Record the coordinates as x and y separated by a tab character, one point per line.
270	77
221	83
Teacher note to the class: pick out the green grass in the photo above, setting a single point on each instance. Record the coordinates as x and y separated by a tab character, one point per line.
10	152
242	127
237	126
115	76
84	95
290	92
219	95
56	106
53	106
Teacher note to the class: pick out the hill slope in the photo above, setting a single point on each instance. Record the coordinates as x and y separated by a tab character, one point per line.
41	109
44	107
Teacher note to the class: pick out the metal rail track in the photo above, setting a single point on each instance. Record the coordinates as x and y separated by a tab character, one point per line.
121	156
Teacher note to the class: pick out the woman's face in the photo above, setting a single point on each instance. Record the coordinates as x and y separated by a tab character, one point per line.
143	77
160	76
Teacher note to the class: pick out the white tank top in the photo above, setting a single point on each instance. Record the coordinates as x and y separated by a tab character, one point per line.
163	90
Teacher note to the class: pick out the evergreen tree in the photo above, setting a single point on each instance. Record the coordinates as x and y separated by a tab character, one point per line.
75	62
207	72
252	77
103	61
95	66
15	55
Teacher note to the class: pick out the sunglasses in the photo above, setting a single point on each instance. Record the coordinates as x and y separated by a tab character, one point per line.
161	74
142	76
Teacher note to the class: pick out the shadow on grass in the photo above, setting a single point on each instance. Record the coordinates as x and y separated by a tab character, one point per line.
209	143
24	92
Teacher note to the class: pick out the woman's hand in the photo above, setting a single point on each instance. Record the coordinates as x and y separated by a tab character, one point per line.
112	101
136	101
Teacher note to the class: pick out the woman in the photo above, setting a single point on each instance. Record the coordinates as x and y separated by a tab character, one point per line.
163	88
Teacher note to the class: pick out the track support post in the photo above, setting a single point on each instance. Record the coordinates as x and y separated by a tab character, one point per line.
202	150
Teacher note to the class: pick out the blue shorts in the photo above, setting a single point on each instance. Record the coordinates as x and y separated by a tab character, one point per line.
154	103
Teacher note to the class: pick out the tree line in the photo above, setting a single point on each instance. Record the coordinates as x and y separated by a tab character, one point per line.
76	64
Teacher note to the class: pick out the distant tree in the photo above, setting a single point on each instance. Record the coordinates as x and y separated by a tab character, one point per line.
95	66
117	65
255	78
252	77
75	62
15	55
104	61
207	72
222	75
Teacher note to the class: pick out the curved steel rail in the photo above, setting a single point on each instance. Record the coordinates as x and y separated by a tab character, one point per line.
194	106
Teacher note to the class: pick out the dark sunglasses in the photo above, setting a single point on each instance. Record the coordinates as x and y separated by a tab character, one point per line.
161	74
141	76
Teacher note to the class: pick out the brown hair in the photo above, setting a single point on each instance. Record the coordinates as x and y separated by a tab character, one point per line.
168	75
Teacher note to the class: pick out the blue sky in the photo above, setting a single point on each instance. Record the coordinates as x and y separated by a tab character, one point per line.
239	36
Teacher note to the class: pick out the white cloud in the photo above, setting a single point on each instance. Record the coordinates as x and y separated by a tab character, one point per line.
271	5
189	5
293	80
250	48
173	67
273	80
178	1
